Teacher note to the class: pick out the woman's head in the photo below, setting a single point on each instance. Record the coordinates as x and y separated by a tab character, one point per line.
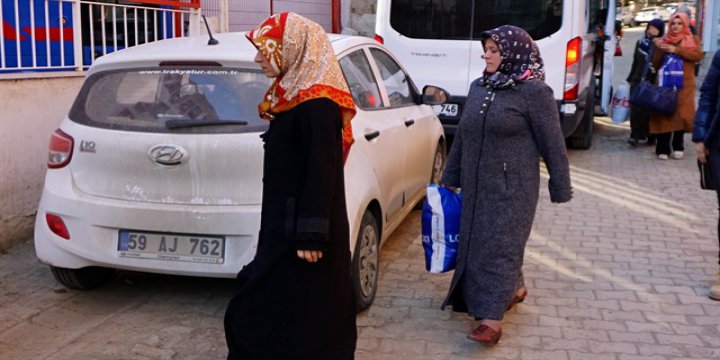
492	56
265	65
510	51
679	21
297	52
655	28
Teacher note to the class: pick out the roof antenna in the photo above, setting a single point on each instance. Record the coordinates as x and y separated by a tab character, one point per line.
212	41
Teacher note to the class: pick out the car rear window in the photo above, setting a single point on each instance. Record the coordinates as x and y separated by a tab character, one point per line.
178	99
467	19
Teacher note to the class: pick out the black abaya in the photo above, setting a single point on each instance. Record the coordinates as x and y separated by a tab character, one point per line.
286	307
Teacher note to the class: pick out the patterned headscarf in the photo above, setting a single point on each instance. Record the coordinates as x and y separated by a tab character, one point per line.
684	37
520	57
300	51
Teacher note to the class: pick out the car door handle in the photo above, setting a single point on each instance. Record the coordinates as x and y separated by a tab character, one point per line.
409	123
372	135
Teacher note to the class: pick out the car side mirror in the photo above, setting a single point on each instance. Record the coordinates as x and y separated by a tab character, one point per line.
433	95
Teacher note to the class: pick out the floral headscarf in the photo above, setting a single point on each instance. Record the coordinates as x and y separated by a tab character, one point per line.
684	37
300	51
520	57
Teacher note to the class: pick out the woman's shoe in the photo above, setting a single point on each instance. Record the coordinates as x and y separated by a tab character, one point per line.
517	299
485	335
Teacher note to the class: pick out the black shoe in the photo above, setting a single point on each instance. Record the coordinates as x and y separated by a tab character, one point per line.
642	141
633	141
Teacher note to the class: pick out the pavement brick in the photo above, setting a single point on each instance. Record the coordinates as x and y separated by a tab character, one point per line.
603	347
562	344
633	337
679	339
406	347
599	335
531	354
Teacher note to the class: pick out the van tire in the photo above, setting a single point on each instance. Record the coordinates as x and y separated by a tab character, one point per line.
581	138
366	262
86	278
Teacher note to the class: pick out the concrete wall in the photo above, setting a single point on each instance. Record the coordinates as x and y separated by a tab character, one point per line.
30	109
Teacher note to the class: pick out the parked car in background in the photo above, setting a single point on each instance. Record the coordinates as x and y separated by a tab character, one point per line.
158	165
625	16
646	14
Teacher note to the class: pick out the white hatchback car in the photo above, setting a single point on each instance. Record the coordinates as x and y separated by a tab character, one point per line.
158	165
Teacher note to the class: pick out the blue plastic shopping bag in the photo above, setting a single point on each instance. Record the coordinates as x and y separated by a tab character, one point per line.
672	72
441	228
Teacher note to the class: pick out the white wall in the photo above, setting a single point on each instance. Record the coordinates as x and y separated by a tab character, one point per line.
30	109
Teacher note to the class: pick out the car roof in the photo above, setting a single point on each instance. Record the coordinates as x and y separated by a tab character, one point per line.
233	49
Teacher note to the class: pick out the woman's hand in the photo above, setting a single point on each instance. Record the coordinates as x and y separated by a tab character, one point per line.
702	152
668	48
310	256
657	41
453	188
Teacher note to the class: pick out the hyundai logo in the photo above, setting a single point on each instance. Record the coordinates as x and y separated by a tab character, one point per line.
167	154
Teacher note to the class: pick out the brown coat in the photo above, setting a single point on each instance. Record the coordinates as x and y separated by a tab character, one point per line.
685	114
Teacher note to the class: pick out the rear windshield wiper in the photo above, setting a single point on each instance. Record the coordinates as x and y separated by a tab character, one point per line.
181	123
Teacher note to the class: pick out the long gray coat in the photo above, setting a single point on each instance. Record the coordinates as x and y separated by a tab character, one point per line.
495	160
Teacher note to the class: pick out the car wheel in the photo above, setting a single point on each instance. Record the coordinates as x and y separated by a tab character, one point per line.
633	23
438	164
365	264
84	278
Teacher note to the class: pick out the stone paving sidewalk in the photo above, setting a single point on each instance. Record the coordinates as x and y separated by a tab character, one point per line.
621	272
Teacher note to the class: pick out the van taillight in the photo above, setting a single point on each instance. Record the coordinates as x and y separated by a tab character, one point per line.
61	149
572	68
379	39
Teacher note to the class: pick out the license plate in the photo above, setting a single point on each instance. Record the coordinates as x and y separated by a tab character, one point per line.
446	109
171	247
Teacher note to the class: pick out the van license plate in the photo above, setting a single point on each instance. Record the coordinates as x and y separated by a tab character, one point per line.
446	109
171	247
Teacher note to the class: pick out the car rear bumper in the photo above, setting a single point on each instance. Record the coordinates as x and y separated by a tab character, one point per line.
94	224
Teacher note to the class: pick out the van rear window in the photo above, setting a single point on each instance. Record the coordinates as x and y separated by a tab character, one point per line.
173	99
467	19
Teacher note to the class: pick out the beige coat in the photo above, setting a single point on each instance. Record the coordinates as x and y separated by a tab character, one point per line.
685	114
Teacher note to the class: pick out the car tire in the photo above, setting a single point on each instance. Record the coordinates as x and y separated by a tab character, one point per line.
438	163
633	23
366	261
87	278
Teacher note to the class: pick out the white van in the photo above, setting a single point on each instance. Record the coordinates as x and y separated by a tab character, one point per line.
438	42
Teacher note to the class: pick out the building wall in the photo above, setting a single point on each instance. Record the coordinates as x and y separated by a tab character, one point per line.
30	109
244	15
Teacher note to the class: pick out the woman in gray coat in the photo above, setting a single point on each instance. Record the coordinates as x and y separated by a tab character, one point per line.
510	120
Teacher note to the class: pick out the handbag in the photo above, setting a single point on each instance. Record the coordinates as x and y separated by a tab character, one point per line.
441	228
706	177
655	98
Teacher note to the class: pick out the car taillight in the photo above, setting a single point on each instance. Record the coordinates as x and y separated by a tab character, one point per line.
61	149
572	68
379	39
57	226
